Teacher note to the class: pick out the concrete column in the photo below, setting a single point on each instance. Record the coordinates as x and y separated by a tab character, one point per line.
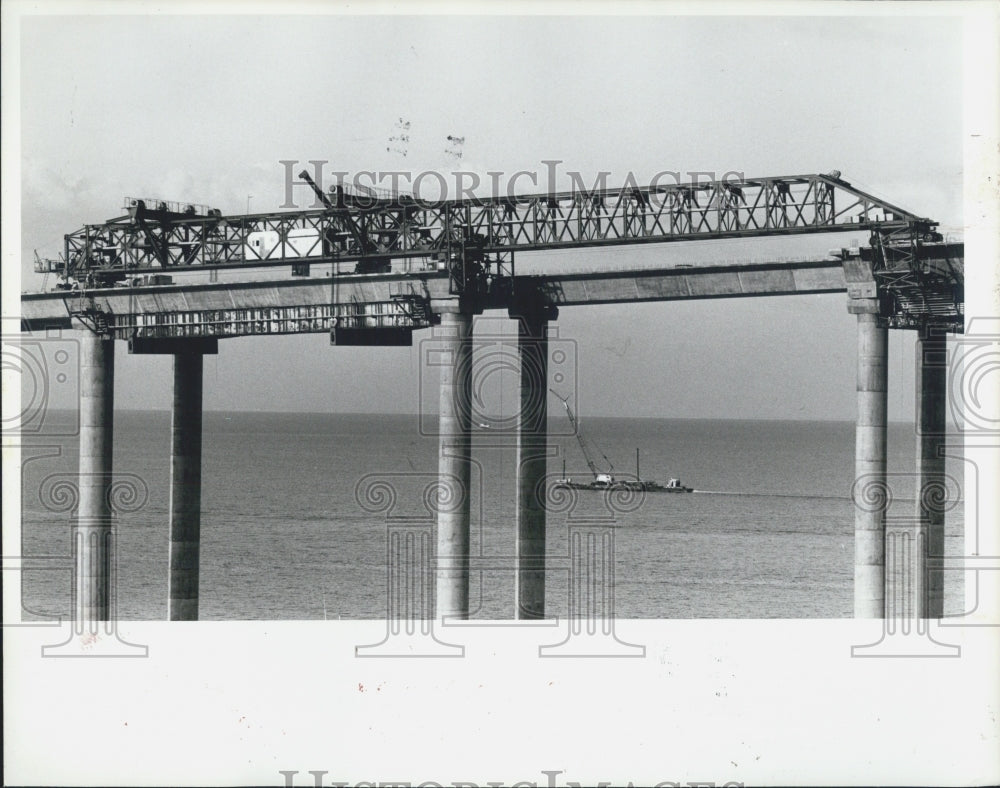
92	535
454	465
532	457
931	487
869	468
185	487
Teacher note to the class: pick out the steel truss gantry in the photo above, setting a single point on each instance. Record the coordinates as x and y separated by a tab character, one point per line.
475	239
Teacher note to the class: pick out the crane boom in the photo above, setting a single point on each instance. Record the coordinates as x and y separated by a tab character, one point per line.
320	194
607	478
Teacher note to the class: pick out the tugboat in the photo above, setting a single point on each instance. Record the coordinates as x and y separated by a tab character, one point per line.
605	480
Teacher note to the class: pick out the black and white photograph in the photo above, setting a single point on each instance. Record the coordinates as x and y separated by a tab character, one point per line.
473	394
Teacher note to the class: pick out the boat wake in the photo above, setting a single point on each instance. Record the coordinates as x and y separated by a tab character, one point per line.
774	495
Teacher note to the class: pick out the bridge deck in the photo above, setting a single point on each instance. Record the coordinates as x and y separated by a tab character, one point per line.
304	305
671	284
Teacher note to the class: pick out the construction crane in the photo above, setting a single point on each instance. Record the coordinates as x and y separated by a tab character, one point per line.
600	478
362	226
370	262
475	239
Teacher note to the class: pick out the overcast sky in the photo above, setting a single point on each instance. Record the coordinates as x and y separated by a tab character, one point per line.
202	109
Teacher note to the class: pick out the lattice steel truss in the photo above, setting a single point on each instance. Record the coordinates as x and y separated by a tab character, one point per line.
475	239
919	280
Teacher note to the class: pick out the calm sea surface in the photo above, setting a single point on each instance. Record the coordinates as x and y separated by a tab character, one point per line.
289	531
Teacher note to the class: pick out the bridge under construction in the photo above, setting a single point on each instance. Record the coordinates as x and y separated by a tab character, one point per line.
370	269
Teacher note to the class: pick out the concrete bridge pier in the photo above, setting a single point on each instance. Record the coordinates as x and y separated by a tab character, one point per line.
870	490
92	527
932	368
185	468
454	460
532	455
185	487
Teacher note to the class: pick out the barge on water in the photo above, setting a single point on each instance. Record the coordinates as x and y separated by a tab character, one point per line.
607	481
634	485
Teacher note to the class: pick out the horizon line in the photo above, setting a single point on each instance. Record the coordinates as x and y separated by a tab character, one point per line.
417	414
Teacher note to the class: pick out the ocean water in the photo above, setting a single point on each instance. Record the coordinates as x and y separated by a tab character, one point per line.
292	527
